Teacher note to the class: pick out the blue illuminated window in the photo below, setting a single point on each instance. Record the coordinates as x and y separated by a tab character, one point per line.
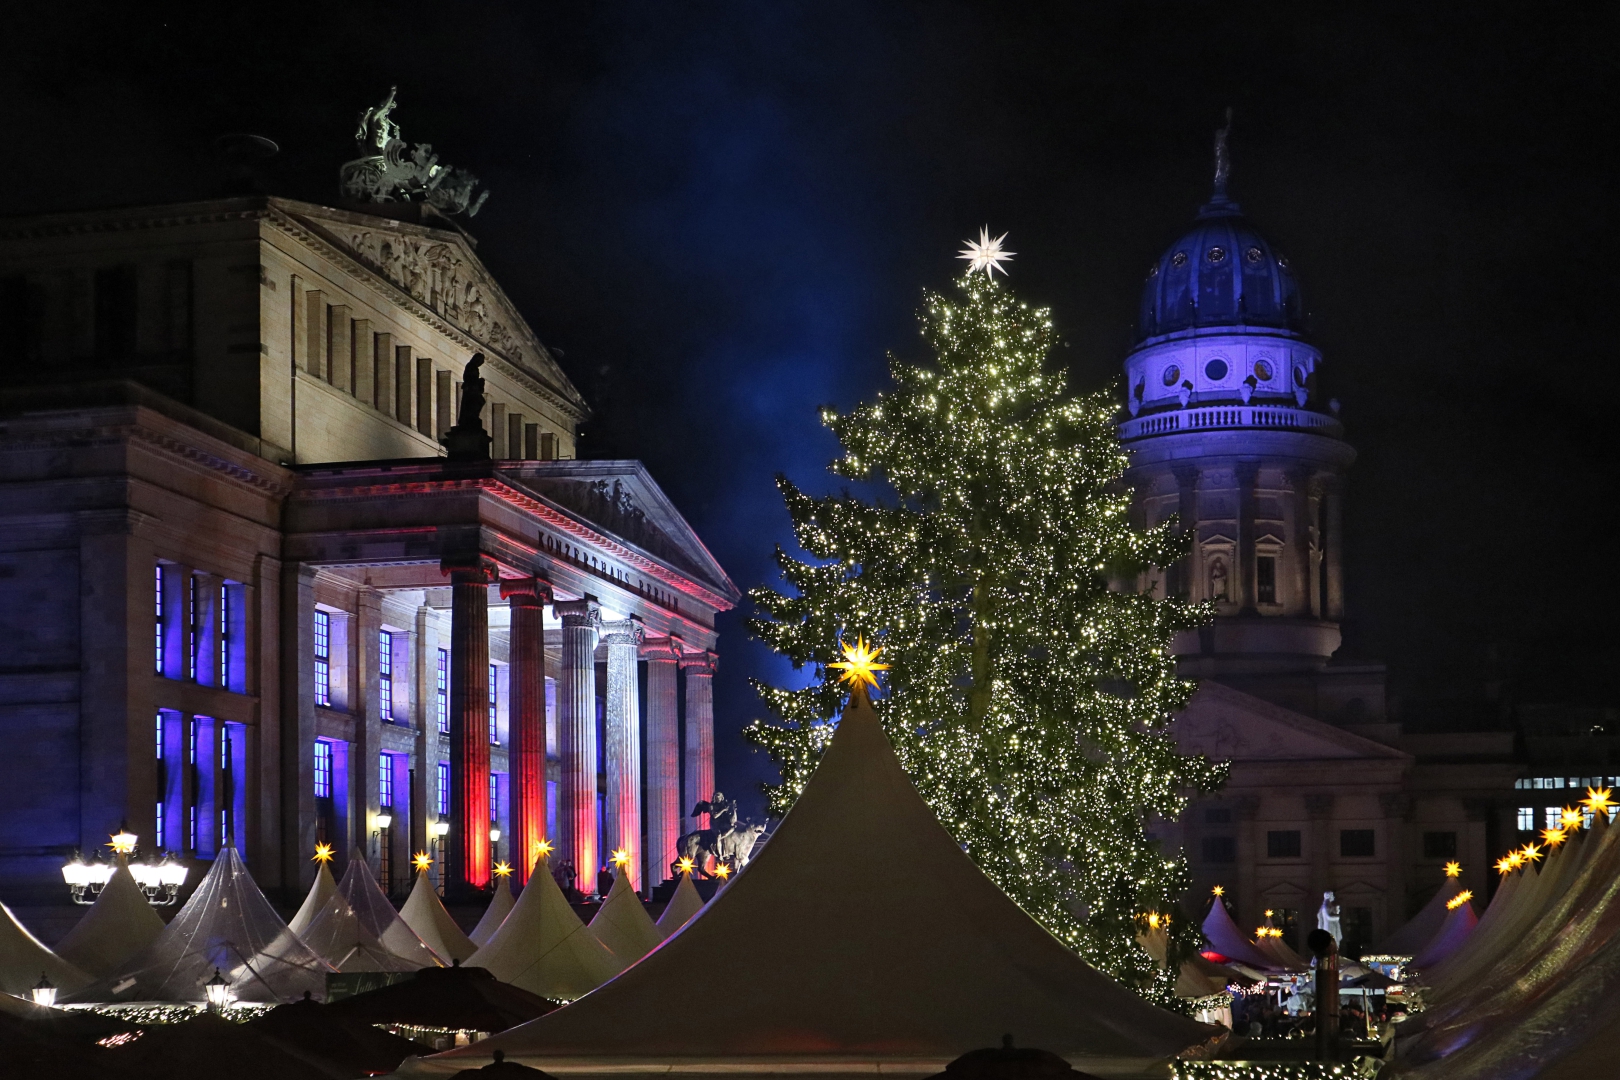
195	628
224	636
385	780
323	658
494	736
444	788
385	674
323	770
494	795
158	612
442	692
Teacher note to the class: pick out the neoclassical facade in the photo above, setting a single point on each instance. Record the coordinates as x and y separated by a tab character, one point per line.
250	601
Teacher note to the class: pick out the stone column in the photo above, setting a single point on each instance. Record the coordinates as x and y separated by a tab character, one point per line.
581	620
527	598
1397	807
467	863
1187	511
663	655
368	723
1333	550
1319	812
699	668
1245	809
298	725
1243	590
623	743
1299	544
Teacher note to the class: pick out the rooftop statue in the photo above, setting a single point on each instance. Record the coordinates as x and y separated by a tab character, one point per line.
388	170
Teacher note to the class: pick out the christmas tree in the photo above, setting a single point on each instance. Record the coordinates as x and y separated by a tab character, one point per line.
1031	680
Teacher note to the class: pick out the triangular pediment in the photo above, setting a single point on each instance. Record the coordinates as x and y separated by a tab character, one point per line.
1229	725
1218	540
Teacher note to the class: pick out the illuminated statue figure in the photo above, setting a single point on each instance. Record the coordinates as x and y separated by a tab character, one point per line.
386	172
1217	580
727	840
468	441
1327	916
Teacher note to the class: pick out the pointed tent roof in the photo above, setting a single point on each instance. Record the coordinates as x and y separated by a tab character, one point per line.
1421	928
424	913
118	925
681	907
544	948
338	936
320	892
23	958
623	925
378	916
922	961
1225	938
229	925
500	906
1459	923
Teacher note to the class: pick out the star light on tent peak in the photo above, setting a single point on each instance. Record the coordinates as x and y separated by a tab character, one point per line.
859	663
986	254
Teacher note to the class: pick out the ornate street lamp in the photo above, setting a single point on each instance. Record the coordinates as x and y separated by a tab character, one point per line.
159	881
44	992
218	993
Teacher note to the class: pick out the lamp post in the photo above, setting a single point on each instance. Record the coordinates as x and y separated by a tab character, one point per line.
218	993
44	993
160	881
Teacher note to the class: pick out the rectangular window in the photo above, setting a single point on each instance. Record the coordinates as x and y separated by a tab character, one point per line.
323	769
494	797
385	675
224	637
441	692
1282	844
323	658
1219	816
444	789
385	780
191	828
158	613
1220	849
1439	845
1356	843
494	736
1552	816
195	628
1265	579
1527	819
159	844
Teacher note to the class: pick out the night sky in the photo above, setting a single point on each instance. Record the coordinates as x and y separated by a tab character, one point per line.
720	215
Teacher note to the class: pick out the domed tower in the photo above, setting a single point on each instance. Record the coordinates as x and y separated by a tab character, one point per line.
1226	431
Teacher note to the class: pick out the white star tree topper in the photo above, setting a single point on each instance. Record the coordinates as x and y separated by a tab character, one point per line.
986	254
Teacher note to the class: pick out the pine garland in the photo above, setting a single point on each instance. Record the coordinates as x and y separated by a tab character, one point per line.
1027	699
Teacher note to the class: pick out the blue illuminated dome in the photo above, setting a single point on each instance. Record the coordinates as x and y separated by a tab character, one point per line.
1221	273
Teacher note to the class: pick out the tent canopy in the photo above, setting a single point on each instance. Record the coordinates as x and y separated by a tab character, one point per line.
336	934
500	906
544	948
1225	938
424	913
24	958
681	907
1421	928
623	925
375	912
118	925
320	892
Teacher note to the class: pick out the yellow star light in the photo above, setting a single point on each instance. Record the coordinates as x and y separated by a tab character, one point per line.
323	853
422	861
122	842
621	858
1515	859
1504	865
686	865
542	849
1553	837
986	254
1459	900
1571	818
503	869
1453	869
721	870
1219	890
858	663
1598	800
1531	853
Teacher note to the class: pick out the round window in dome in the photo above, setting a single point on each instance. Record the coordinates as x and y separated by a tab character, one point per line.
1215	370
1299	375
1253	255
1262	370
1153	271
1282	261
1171	375
1179	259
1216	254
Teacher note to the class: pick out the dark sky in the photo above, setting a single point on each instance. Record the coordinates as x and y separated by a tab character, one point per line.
722	215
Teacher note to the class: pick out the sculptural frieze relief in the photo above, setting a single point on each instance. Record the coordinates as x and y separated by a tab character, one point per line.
390	170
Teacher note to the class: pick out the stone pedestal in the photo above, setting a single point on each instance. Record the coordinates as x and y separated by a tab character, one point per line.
578	842
527	598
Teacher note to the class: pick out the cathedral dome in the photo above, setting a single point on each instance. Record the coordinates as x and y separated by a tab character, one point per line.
1220	273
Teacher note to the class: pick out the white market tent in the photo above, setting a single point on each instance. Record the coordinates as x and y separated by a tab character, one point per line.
118	925
920	960
424	913
500	906
623	925
1459	923
1227	940
544	948
324	888
338	936
24	958
681	907
377	915
226	925
1421	928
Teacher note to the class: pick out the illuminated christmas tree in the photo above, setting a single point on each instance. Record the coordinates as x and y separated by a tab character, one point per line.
1031	680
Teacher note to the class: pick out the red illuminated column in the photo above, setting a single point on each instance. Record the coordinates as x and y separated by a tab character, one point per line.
699	668
622	744
581	620
663	656
527	598
468	859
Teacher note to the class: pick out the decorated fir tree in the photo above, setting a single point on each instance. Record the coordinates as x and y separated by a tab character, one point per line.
1031	681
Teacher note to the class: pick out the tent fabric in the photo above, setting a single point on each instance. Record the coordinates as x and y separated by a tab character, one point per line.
229	925
1225	938
924	961
357	1046
24	958
375	912
544	948
338	936
681	908
319	893
466	998
1460	922
118	925
500	906
623	925
1198	977
424	913
1421	928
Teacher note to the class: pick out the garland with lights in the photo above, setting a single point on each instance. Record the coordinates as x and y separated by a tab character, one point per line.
1031	682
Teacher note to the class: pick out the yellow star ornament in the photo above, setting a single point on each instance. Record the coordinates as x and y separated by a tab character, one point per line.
1459	900
722	871
323	853
1571	818
1453	869
859	664
422	861
503	869
686	865
1599	800
621	858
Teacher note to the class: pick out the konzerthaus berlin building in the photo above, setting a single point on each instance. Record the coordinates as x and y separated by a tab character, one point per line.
245	596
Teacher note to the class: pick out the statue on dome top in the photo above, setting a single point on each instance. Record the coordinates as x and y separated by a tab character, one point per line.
1223	156
389	170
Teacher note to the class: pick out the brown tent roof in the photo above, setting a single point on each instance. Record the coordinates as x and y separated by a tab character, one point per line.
918	955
